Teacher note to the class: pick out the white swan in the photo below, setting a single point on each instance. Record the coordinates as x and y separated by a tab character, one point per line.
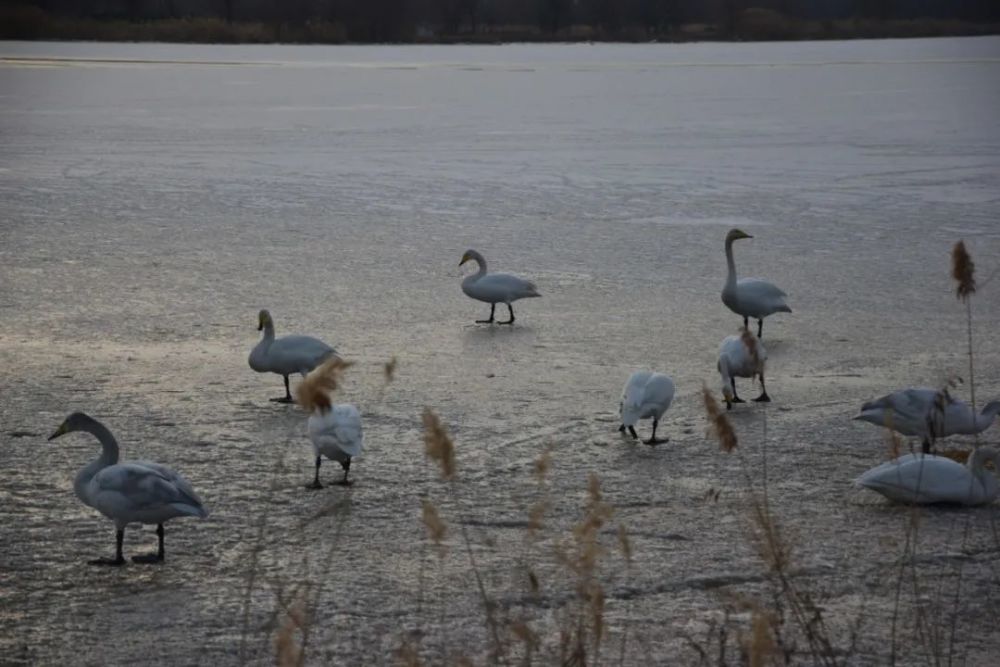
494	288
912	412
286	355
741	356
646	394
923	479
131	491
334	430
750	297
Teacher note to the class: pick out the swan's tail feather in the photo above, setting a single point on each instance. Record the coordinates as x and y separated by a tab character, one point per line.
313	393
783	309
531	290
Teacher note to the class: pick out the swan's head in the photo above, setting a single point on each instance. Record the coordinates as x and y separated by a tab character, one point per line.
727	392
77	421
263	320
471	256
736	234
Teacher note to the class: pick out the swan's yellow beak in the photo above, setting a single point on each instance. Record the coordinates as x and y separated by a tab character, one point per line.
465	258
62	430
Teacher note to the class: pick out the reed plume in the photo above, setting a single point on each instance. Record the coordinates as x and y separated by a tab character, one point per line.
963	271
438	445
313	393
719	424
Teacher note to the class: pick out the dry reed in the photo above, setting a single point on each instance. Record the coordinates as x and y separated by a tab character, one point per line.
313	393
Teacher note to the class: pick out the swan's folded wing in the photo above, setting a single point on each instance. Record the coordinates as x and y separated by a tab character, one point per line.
503	287
137	487
760	288
929	479
340	427
294	354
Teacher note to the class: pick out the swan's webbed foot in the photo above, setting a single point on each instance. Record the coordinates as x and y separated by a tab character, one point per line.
493	308
344	482
736	399
621	429
314	485
283	399
653	441
631	430
763	398
148	559
111	562
511	320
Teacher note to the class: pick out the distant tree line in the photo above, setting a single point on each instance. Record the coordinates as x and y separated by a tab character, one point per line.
446	20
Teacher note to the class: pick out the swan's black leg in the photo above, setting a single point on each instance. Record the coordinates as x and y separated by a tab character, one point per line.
735	399
511	320
926	446
653	440
760	328
158	556
489	321
746	323
763	398
621	429
631	430
288	394
315	483
346	465
118	559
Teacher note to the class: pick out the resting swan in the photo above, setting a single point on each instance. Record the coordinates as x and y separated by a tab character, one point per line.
494	288
741	356
334	430
646	394
131	491
750	297
924	479
286	355
911	412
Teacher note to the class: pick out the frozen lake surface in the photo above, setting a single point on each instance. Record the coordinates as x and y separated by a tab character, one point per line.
156	196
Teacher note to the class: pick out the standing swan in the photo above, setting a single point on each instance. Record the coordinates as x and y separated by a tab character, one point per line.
646	394
335	430
913	412
741	356
750	297
129	492
286	355
494	288
924	479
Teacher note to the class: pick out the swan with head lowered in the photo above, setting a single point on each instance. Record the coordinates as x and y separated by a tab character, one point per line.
928	413
334	430
924	479
646	395
286	355
494	288
750	297
130	491
741	356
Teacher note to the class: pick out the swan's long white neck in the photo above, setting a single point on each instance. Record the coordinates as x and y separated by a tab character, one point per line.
108	457
731	263
986	417
481	261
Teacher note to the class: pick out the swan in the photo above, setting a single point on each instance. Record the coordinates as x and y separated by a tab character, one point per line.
912	412
923	479
334	430
741	356
286	355
494	288
131	491
646	394
750	297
